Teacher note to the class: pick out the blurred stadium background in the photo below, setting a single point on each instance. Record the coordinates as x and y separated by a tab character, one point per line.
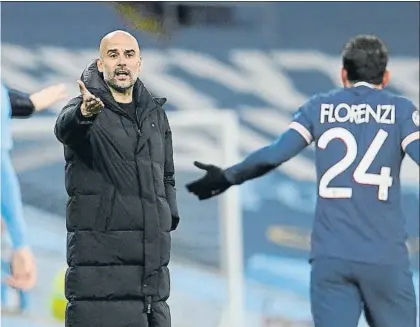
259	60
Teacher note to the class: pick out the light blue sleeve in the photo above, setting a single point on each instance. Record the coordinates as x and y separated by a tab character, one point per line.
6	113
11	200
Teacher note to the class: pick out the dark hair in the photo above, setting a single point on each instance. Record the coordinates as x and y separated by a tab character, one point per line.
365	58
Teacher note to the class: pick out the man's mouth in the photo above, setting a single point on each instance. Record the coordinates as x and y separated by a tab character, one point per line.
122	75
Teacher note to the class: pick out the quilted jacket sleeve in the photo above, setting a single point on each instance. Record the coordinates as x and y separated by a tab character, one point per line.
169	175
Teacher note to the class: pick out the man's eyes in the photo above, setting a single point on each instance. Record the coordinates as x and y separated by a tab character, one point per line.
114	55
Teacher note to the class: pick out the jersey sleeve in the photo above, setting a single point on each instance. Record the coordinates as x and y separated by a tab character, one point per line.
11	203
410	127
302	122
5	120
261	161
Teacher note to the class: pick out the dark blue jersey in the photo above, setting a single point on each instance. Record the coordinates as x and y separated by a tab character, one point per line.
361	135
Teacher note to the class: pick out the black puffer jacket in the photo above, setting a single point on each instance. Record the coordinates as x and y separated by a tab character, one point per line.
121	209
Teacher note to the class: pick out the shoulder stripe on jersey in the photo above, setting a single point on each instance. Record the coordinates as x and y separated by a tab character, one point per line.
410	138
302	131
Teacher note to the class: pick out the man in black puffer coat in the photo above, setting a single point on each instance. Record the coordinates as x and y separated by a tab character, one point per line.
122	204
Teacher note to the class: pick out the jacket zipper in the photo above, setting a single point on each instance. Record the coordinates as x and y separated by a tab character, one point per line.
148	304
137	123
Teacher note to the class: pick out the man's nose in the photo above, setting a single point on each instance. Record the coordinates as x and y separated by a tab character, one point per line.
122	61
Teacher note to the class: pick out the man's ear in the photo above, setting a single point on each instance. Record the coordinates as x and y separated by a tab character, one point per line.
140	62
100	65
344	79
386	78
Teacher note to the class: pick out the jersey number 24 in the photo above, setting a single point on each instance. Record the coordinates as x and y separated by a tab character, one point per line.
382	180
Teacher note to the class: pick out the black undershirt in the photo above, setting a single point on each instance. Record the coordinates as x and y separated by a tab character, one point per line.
129	108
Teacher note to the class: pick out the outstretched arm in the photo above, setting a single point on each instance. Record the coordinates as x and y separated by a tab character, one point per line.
268	158
71	126
24	105
258	163
77	116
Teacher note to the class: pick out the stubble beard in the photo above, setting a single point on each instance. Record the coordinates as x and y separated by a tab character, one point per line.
120	86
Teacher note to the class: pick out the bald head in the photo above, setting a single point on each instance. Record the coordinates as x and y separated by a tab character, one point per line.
118	38
119	60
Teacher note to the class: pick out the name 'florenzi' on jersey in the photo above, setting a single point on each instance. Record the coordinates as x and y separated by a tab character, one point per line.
357	113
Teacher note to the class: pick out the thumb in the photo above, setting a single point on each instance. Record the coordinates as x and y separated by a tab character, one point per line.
201	165
82	88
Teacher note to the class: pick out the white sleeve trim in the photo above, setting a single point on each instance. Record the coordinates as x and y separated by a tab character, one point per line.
410	138
302	130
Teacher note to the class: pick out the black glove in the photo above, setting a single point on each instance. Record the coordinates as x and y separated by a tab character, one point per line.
212	184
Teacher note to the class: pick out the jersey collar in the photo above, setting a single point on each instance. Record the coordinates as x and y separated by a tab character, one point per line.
364	84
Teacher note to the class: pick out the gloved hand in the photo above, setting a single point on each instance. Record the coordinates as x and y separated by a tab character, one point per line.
213	183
